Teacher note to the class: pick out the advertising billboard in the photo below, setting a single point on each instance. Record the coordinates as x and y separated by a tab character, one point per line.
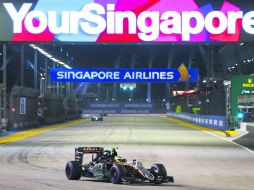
242	87
126	21
124	75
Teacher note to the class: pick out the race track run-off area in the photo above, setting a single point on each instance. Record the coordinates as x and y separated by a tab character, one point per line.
197	160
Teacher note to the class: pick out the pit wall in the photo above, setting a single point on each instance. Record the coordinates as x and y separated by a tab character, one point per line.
72	108
209	121
57	108
51	105
26	109
25	106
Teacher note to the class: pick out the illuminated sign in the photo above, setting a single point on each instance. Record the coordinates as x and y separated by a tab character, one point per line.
126	21
122	75
128	86
250	84
175	93
247	91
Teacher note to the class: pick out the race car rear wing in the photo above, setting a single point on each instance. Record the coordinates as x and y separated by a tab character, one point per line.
80	151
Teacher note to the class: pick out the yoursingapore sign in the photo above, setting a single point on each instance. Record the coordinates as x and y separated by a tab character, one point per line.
99	20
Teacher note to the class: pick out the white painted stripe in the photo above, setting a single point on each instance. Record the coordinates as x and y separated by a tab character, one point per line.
243	147
224	139
239	136
230	141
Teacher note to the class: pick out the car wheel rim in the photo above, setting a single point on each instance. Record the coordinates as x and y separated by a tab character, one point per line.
114	176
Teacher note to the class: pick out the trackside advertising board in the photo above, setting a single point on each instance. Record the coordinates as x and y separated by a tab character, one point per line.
126	21
210	121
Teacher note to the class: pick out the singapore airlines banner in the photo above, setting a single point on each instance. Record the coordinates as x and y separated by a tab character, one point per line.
125	21
124	75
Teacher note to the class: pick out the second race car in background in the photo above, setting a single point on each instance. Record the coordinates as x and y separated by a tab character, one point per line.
97	117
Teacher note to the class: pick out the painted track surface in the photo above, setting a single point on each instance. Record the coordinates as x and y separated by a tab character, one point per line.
197	160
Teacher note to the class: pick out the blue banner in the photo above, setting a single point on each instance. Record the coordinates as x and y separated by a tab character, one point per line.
124	75
210	121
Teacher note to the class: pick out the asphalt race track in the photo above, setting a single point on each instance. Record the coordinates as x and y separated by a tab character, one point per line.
197	160
247	140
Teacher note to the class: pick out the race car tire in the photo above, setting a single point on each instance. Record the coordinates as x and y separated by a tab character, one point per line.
117	173
158	170
73	170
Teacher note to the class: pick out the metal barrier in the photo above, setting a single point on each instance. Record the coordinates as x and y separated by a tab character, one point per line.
210	121
23	108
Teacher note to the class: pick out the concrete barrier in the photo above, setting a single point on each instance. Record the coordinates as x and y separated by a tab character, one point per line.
1	127
51	108
137	107
23	108
72	108
210	121
243	126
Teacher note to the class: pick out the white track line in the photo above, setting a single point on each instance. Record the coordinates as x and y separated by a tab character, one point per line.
222	138
231	141
239	136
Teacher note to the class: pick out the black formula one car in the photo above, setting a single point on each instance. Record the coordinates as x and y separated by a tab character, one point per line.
107	166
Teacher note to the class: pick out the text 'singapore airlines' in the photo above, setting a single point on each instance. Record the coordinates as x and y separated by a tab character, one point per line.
95	19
